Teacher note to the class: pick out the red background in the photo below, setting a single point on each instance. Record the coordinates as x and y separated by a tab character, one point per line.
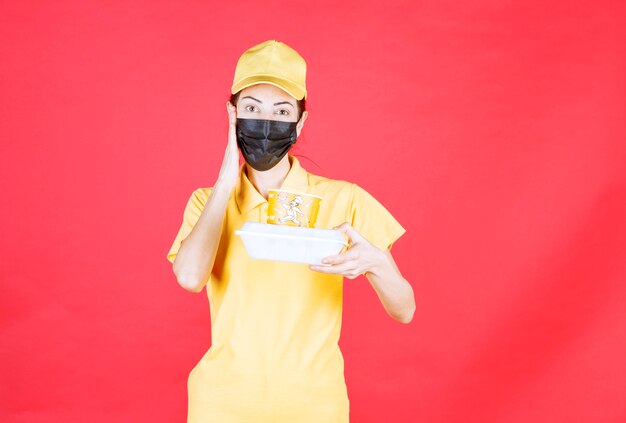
492	130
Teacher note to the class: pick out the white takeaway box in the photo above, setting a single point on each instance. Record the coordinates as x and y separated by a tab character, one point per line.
265	241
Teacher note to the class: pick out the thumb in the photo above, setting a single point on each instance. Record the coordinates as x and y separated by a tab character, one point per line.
350	231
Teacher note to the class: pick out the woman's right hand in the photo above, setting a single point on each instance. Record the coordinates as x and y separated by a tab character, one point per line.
229	173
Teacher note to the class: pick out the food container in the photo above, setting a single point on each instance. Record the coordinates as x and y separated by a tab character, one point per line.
292	208
265	241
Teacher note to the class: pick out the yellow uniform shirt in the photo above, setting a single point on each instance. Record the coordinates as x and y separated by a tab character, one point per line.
275	326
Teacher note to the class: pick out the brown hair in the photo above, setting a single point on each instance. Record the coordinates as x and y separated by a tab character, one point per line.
301	104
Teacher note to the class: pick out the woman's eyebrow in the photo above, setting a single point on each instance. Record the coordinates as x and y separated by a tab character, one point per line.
275	104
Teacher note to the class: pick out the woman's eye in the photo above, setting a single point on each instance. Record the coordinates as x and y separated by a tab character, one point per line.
284	110
247	109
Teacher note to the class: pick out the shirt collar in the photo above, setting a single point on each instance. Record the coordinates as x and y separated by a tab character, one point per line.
248	197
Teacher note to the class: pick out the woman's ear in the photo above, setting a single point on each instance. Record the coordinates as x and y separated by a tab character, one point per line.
301	122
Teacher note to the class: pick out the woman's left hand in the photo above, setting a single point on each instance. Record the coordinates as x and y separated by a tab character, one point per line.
361	256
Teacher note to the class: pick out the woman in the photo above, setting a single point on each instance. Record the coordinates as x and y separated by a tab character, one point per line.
275	326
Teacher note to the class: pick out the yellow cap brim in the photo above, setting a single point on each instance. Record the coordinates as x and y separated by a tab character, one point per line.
292	89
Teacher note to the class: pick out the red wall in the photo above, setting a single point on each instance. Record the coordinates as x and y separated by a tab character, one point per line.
493	131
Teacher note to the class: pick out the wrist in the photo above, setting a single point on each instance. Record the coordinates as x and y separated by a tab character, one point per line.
378	263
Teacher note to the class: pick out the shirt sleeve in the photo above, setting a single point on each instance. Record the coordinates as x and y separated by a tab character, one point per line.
372	220
192	213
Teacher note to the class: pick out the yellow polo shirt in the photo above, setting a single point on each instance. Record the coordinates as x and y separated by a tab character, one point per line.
275	326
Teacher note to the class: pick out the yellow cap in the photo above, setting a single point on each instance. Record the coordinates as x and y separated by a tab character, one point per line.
272	62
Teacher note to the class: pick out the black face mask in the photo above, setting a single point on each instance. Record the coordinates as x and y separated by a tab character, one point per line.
264	142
